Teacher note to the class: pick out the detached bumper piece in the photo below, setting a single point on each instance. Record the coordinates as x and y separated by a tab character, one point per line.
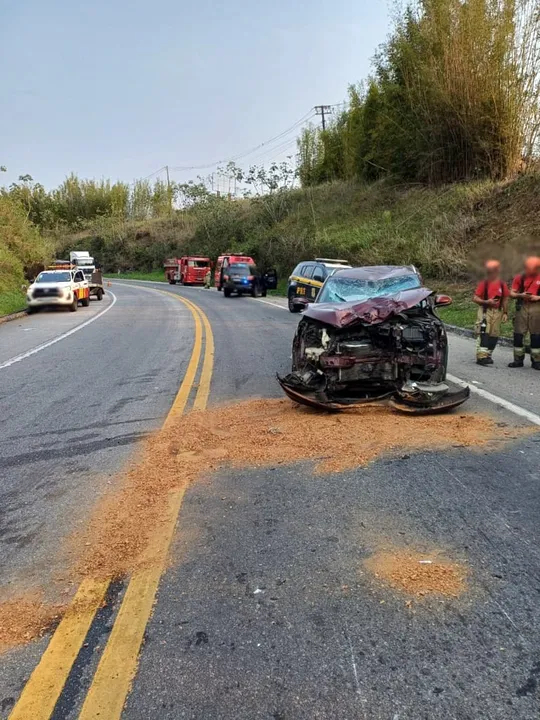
425	399
413	398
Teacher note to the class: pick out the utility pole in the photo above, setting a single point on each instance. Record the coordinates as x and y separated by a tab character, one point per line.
169	194
323	110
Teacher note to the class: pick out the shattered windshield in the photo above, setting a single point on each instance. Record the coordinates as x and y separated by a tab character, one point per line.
345	289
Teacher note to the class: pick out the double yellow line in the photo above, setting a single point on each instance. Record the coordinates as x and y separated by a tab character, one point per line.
118	664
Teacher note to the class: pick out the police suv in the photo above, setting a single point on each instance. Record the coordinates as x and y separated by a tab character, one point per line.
307	278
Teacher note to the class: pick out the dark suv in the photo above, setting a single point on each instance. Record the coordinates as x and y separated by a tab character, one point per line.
244	278
307	279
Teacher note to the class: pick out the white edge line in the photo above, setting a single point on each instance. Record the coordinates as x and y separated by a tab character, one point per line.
273	304
530	416
37	349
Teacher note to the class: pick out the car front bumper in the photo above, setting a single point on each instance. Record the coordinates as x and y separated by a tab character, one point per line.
50	300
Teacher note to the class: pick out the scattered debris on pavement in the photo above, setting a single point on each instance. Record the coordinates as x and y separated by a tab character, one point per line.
254	433
415	574
25	619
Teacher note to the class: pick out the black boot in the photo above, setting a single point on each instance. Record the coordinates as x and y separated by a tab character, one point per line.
483	361
516	363
489	361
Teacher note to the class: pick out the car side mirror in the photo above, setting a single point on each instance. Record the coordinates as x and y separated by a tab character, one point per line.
442	300
318	276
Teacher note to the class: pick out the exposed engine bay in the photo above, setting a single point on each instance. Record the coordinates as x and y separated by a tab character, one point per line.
391	349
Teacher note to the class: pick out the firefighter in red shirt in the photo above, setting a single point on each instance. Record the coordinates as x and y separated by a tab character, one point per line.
491	295
526	291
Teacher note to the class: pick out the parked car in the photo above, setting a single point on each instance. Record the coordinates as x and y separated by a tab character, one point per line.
60	286
223	263
244	278
372	334
307	279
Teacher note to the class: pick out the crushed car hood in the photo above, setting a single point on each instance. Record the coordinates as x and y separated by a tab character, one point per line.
371	312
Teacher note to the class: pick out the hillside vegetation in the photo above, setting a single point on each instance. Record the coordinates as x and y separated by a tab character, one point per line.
454	96
21	245
432	163
446	231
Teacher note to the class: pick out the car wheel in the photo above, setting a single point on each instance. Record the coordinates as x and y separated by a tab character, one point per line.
99	294
85	302
226	293
293	307
74	305
31	310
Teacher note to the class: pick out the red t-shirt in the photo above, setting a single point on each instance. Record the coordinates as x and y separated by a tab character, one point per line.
531	284
495	289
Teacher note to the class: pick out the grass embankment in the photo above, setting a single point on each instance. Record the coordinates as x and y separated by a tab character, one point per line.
153	275
11	302
21	245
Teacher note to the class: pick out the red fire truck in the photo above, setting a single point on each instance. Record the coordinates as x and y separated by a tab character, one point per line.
188	270
223	263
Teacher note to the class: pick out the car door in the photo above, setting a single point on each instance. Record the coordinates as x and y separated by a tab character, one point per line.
81	284
304	281
317	280
224	266
270	279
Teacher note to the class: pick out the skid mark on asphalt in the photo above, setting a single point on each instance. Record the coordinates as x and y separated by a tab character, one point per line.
73	449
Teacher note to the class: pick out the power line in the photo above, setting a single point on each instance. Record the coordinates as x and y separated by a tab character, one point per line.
206	166
277	150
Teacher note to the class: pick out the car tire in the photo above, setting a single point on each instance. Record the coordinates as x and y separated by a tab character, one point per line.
85	302
226	293
264	293
99	294
293	307
31	310
74	305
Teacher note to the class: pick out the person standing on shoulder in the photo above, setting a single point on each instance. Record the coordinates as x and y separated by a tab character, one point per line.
491	295
207	279
526	291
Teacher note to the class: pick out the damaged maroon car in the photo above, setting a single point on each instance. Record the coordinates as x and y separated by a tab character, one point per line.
373	335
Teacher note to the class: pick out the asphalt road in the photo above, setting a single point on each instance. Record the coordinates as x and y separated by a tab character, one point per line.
252	619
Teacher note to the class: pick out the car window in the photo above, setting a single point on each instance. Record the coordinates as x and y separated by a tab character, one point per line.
298	270
319	273
239	269
307	270
79	277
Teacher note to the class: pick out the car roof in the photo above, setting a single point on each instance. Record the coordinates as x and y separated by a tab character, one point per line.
376	272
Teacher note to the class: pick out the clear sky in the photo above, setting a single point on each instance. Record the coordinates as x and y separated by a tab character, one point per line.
119	88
